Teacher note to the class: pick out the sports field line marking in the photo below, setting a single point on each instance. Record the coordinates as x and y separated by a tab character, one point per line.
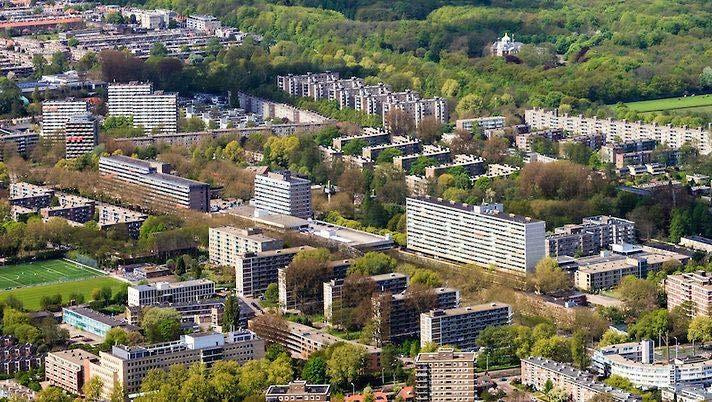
79	264
11	280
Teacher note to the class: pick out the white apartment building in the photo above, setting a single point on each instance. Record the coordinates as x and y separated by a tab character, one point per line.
694	289
164	292
478	234
282	193
419	110
486	123
154	111
445	376
674	137
459	327
55	115
202	23
227	244
636	362
81	135
128	365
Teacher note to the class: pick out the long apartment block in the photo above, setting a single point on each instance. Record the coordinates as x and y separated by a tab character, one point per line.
673	136
156	188
370	135
478	234
154	111
594	234
112	216
406	146
473	165
283	193
164	292
56	114
227	244
255	271
693	290
459	327
439	154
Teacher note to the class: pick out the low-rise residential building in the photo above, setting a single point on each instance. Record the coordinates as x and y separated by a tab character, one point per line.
30	196
607	270
459	327
486	123
298	391
445	376
580	386
70	207
636	362
128	365
16	357
69	369
505	46
164	292
22	142
698	243
369	135
113	216
433	152
283	193
202	313
405	145
691	290
91	321
686	394
227	244
594	234
473	165
479	234
255	271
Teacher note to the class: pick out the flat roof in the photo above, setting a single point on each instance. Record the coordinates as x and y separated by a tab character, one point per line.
445	354
467	309
273	219
355	238
169	178
97	316
471	208
245	233
76	356
699	239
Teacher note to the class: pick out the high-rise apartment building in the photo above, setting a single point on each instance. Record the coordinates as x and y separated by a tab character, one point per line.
282	193
445	376
419	110
459	327
255	271
288	301
692	290
164	292
594	234
227	244
480	234
55	115
81	135
394	282
149	181
154	111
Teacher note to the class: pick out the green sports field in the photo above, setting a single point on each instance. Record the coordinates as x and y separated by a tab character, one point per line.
39	272
30	296
691	103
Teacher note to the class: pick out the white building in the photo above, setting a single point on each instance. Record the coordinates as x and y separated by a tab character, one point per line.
164	292
154	111
419	110
486	123
674	137
227	244
55	115
478	234
202	23
505	46
81	135
459	327
282	193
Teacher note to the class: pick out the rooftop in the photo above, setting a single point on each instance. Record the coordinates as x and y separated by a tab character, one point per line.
487	209
446	354
76	356
96	316
467	309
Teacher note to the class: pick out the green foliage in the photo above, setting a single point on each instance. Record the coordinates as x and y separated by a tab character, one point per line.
700	329
650	325
372	263
346	363
426	277
314	371
354	147
161	324
272	293
231	316
387	155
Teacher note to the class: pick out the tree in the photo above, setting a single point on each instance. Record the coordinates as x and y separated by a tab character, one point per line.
161	324
92	389
399	122
51	303
706	77
429	131
613	337
555	348
639	295
354	147
549	278
470	105
372	263
679	225
231	316
117	393
579	354
426	277
590	323
272	293
314	371
53	394
159	50
387	155
700	329
116	336
346	363
304	276
650	325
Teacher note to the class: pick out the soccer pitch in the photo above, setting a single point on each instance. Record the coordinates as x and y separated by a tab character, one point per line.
40	272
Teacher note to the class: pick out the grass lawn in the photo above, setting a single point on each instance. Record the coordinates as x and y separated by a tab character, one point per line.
31	295
692	103
39	272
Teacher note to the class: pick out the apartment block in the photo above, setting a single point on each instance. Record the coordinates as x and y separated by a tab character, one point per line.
419	110
282	193
70	207
227	244
334	290
698	243
149	181
81	135
201	313
255	271
298	391
606	270
298	85
478	234
579	385
692	289
445	376
56	114
486	123
370	135
69	369
30	196
154	111
459	327
128	365
396	317
674	137
473	165
594	234
202	23
632	152
406	146
439	154
287	299
164	292
112	216
524	141
21	142
91	321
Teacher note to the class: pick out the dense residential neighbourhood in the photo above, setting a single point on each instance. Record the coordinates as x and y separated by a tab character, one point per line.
356	201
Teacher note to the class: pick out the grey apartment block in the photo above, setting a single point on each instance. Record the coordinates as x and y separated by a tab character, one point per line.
255	271
459	327
283	193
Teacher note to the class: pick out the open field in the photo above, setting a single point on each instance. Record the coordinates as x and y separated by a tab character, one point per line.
31	296
39	272
698	103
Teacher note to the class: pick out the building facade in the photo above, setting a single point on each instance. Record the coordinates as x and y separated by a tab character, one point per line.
68	369
255	271
594	234
690	290
479	234
298	391
156	112
445	376
486	123
459	327
282	193
227	244
164	292
91	321
81	135
55	115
